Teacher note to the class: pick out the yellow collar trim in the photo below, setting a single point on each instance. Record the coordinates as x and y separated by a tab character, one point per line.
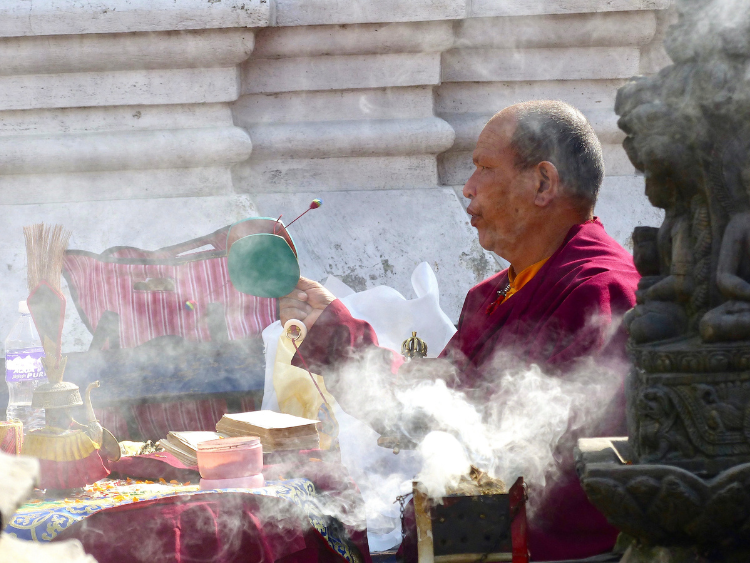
517	281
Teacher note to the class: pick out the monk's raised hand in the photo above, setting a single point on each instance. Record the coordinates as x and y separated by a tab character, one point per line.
305	303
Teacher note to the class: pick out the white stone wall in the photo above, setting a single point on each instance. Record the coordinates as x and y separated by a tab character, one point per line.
148	122
580	58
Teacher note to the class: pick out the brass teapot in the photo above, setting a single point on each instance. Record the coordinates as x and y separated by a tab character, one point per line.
63	440
59	399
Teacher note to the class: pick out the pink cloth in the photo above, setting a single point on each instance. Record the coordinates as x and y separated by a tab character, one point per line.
548	322
154	420
220	527
105	282
62	475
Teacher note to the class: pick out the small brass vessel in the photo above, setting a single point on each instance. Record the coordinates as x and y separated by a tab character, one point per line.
414	347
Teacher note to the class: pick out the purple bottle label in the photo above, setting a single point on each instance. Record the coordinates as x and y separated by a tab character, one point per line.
24	365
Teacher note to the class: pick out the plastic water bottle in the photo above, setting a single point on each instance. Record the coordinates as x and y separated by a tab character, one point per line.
24	371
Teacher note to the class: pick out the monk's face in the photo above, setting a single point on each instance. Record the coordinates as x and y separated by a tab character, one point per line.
502	197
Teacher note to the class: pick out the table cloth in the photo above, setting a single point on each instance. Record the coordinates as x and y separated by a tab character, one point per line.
112	518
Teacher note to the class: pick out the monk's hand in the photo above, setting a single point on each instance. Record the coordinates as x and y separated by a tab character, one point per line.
305	303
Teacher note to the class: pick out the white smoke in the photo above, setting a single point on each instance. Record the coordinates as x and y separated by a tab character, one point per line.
444	461
522	423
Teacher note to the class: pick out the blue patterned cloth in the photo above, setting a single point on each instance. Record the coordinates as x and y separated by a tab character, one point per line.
44	520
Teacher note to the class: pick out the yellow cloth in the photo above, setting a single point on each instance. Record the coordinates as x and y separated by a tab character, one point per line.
296	392
55	444
517	281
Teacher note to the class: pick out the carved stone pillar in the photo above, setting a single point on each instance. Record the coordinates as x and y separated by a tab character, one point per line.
679	483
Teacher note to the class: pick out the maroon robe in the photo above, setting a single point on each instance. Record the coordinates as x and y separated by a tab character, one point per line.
561	315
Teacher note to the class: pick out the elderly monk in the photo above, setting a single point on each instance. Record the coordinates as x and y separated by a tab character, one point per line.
532	195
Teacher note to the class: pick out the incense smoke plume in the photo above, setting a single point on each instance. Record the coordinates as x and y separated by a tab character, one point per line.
520	422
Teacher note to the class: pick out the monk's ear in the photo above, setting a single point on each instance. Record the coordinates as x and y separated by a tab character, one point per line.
548	183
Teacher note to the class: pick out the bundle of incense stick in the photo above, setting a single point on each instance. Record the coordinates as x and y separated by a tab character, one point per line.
45	247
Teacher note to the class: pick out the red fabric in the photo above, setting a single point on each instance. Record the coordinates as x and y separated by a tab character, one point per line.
567	526
71	474
105	282
548	322
223	527
518	524
155	420
333	481
111	418
12	441
218	527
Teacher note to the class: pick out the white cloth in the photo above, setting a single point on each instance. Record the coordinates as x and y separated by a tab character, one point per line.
380	474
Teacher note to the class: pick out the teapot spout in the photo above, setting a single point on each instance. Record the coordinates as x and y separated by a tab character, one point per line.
90	416
107	442
93	428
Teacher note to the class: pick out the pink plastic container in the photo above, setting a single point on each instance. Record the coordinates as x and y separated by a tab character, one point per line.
252	482
230	458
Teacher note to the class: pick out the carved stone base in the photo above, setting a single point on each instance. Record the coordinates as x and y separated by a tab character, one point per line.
689	404
692	355
667	506
638	553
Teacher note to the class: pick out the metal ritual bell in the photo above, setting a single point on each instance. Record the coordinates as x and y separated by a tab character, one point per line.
414	347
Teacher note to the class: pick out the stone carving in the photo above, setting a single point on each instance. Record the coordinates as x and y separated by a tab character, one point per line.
646	251
691	356
657	435
731	320
659	314
683	134
687	475
698	421
691	323
666	505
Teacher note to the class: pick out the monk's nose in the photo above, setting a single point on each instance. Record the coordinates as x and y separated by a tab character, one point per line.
469	189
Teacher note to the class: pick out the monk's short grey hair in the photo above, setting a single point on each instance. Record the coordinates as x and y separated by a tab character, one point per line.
559	133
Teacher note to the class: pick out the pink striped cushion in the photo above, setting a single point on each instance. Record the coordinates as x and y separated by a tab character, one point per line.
155	420
98	285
